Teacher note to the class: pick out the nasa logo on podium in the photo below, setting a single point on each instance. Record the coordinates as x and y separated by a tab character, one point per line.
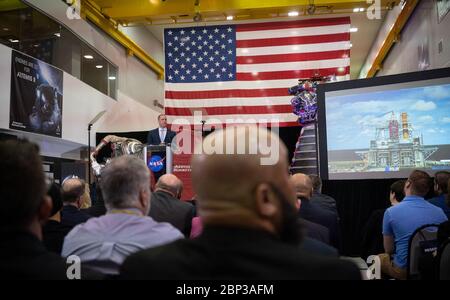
156	163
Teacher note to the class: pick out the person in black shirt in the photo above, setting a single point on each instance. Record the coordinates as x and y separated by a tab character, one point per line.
372	237
53	231
24	208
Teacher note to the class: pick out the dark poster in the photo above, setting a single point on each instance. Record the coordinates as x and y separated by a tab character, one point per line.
36	96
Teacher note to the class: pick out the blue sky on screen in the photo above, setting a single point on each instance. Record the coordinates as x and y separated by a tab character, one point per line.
352	119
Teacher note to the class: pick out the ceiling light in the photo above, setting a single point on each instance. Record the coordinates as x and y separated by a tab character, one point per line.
13	40
5	29
361	9
354	29
99	66
112	77
58	34
88	56
355	10
230	18
293	13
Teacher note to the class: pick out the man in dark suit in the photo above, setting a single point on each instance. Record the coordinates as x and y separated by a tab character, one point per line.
160	135
247	206
72	190
314	212
167	207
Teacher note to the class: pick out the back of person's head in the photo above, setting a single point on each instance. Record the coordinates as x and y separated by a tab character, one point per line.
22	185
72	191
303	185
126	184
397	191
441	179
316	182
170	183
241	179
54	192
418	183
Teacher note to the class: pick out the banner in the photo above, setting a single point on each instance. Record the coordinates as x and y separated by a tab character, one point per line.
36	96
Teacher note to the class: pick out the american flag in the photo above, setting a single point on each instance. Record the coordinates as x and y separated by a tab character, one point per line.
243	71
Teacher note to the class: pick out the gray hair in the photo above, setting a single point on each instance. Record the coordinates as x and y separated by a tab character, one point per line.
122	180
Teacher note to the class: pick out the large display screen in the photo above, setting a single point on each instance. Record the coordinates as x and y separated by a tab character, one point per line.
385	128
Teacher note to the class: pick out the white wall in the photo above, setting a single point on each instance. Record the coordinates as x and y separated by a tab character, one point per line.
136	80
5	85
422	29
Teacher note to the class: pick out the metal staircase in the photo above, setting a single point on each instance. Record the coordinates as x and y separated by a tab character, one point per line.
305	158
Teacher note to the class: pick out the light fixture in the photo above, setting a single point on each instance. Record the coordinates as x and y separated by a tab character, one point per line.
13	40
354	29
5	29
99	66
361	9
58	34
230	18
88	56
293	14
112	77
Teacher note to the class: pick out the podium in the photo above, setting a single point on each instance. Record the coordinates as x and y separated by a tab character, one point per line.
159	159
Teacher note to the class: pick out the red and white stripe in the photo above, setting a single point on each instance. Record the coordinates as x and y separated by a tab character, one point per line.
270	58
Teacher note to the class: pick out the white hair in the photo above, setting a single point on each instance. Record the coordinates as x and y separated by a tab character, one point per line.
122	180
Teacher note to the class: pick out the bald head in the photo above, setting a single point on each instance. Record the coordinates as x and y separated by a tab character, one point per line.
72	190
234	161
303	185
171	184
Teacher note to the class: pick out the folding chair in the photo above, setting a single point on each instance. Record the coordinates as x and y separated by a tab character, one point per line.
422	243
444	261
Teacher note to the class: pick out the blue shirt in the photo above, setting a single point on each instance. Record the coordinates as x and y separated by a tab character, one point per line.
103	243
401	220
440	201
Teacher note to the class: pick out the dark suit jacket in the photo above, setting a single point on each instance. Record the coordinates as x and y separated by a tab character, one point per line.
233	253
23	256
53	234
325	201
165	208
315	231
317	214
154	139
72	216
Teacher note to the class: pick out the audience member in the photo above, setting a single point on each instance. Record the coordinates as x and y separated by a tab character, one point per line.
372	237
98	208
53	231
320	199
25	207
104	242
72	193
197	227
86	201
168	207
250	225
441	179
401	220
313	212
